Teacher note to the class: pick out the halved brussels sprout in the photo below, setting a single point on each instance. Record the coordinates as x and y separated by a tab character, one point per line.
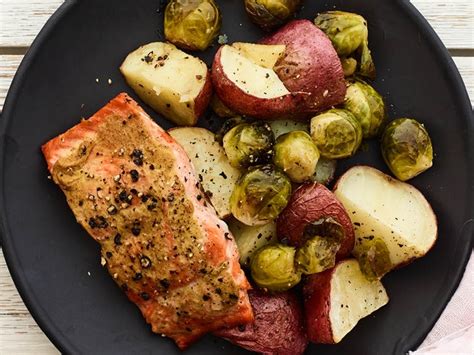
325	170
228	125
270	13
260	195
273	267
350	36
374	257
297	155
249	144
317	255
220	109
192	24
406	148
337	133
325	227
367	106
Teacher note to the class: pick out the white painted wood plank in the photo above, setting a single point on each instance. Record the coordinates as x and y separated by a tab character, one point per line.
19	333
21	20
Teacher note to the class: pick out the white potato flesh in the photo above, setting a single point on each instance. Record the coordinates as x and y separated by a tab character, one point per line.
167	79
252	79
217	176
352	298
380	206
280	127
251	238
261	54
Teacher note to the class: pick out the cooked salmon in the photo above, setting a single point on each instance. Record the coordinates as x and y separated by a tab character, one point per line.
134	190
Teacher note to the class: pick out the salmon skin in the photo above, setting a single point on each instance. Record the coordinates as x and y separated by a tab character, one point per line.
134	190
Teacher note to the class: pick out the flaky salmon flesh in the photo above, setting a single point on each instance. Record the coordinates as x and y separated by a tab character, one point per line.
134	190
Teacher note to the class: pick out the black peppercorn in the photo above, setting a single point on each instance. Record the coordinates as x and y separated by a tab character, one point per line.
134	175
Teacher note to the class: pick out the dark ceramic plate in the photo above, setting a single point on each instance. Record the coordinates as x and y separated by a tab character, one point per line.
50	256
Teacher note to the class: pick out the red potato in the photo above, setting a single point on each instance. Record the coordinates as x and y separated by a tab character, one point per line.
278	328
310	64
310	203
298	74
256	102
336	299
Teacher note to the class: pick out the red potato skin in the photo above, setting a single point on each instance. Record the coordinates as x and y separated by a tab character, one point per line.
240	102
310	64
317	293
278	328
309	203
203	99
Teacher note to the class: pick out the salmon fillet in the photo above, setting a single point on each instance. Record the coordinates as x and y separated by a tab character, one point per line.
134	190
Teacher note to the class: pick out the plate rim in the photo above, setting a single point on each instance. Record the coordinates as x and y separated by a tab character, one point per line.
56	335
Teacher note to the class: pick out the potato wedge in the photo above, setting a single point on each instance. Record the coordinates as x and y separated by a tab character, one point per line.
260	54
385	208
336	299
152	71
251	238
310	204
278	327
217	176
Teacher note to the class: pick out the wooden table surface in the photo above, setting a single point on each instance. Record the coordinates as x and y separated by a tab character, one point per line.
20	22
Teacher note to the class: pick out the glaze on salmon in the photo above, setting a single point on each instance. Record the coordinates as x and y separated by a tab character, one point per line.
134	190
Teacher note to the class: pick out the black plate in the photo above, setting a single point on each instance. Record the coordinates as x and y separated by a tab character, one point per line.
50	256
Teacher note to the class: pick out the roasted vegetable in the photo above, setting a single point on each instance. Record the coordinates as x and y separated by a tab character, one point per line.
278	327
325	170
297	155
350	36
312	211
270	13
373	257
336	299
220	109
383	207
150	70
337	133
406	148
249	144
260	195
216	175
228	125
273	268
317	255
251	238
192	24
367	106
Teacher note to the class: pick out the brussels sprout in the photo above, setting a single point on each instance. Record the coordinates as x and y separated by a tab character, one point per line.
249	144
228	125
270	13
192	24
260	195
317	255
273	267
325	227
297	155
406	148
325	170
349	66
337	133
367	106
374	257
220	109
280	127
350	36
